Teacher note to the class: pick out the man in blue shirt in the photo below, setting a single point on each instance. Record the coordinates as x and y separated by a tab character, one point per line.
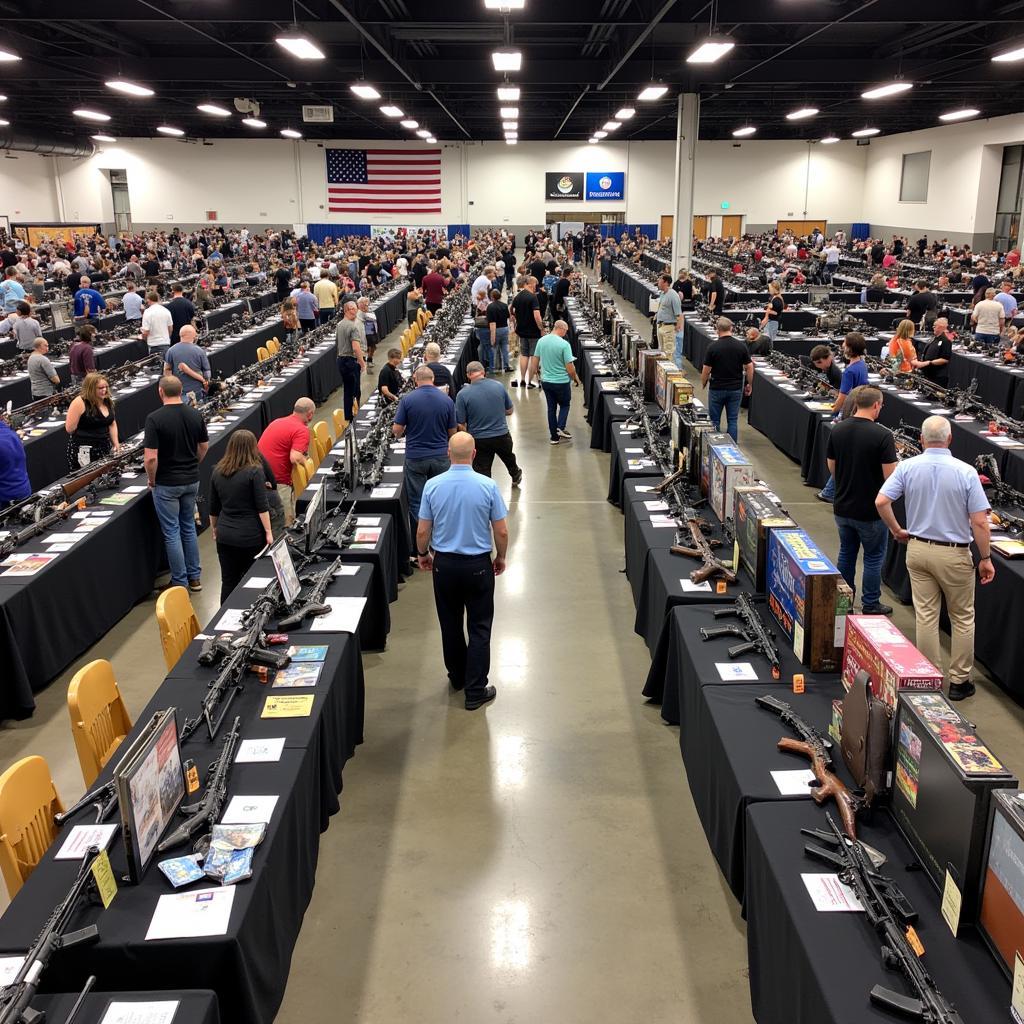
131	303
14	483
306	307
459	513
190	364
12	290
88	302
1005	299
946	507
483	409
426	418
552	355
855	375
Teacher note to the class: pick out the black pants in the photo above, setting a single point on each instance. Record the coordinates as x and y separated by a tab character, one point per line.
308	325
464	596
348	367
488	447
235	562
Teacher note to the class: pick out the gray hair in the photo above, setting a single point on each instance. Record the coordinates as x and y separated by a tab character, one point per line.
990	293
474	367
936	430
303	406
423	373
723	325
432	351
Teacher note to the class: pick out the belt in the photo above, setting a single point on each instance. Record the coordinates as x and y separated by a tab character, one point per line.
941	543
461	555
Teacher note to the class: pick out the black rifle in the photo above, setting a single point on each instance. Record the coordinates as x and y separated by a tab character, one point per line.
908	440
1002	495
887	914
103	799
206	811
15	998
314	601
756	636
337	531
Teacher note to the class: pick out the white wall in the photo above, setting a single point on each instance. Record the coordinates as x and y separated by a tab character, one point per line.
27	188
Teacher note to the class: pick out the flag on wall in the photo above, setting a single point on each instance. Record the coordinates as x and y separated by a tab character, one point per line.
384	180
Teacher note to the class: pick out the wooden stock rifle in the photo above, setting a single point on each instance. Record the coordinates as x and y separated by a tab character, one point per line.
702	549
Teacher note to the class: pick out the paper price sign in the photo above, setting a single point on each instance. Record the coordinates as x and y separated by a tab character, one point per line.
288	706
104	877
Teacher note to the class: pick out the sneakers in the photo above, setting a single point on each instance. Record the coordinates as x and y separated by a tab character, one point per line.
877	609
553	440
533	386
961	691
565	434
517	479
822	496
195	585
488	695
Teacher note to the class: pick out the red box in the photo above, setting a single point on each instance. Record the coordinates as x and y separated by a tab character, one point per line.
893	662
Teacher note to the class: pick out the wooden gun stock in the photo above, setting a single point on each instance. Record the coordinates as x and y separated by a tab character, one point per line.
829	785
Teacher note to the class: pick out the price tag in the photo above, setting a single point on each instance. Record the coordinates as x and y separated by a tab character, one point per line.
798	682
951	900
736	555
191	776
915	943
1017	997
720	587
105	881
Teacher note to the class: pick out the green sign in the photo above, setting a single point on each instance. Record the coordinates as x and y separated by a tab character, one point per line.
725	205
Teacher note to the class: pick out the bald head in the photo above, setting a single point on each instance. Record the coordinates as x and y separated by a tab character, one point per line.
187	333
423	375
304	409
936	432
461	448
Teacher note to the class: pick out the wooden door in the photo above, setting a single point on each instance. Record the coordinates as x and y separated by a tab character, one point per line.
801	228
700	226
732	225
668	222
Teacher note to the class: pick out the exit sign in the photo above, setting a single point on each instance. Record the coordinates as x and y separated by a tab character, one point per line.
725	205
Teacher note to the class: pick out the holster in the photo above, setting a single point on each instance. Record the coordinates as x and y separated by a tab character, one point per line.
866	737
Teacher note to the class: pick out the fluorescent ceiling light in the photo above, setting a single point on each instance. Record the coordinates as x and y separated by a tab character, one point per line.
510	125
511	142
212	108
600	135
864	132
504	5
423	133
90	115
881	91
291	133
128	88
799	115
410	123
166	129
624	114
364	91
746	130
3	98
593	141
1006	55
652	92
98	138
3	123
432	140
959	115
508	93
829	140
392	111
509	113
254	122
300	46
507	60
8	55
610	126
710	50
511	135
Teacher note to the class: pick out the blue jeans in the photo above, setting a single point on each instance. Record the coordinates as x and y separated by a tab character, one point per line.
771	328
677	355
987	339
417	473
873	536
500	347
730	402
559	396
483	341
829	490
176	509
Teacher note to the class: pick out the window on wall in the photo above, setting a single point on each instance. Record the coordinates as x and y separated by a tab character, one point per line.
914	180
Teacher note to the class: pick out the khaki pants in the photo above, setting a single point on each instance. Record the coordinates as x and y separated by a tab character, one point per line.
667	338
937	572
287	496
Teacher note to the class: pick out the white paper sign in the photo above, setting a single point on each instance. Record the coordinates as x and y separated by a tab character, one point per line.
829	894
82	837
253	751
795	782
735	669
248	810
257	582
189	915
141	1013
343	617
230	620
9	967
689	587
346	570
383	492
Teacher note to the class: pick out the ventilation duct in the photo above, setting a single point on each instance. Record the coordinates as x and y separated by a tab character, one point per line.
52	145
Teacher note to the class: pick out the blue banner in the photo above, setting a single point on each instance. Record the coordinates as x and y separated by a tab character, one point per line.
606	185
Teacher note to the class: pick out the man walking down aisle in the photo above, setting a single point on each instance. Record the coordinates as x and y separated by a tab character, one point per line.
554	361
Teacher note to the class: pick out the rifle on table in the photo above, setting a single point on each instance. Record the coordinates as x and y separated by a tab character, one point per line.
755	635
314	603
702	549
908	440
337	534
103	799
15	998
817	749
892	918
206	811
1003	495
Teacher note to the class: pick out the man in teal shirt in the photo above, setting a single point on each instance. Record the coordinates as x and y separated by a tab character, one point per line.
554	357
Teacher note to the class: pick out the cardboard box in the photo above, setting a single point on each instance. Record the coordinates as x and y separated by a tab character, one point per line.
648	370
754	515
835	727
683	418
667	375
873	643
708	439
808	598
693	434
680	393
729	468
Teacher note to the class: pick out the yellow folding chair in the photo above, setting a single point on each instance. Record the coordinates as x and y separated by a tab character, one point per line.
177	622
273	346
299	478
28	802
340	423
99	719
262	353
323	435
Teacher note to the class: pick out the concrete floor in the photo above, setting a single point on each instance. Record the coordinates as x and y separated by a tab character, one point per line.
537	860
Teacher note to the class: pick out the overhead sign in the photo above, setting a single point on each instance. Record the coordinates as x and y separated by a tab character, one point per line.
606	185
317	113
562	185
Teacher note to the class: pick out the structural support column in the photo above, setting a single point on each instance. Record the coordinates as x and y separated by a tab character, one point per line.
687	123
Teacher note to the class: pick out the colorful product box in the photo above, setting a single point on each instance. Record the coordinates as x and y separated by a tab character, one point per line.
729	468
708	440
754	516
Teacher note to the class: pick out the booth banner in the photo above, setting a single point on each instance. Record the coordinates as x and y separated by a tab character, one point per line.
42	234
606	185
563	185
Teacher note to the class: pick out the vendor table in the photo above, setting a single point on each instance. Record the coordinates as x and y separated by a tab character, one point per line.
630	285
698	335
628	462
194	1007
607	409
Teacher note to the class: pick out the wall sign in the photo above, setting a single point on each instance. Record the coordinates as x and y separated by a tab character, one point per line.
603	185
563	185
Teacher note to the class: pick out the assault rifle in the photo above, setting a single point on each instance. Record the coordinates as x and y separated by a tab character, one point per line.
888	912
817	749
754	634
314	602
338	530
205	812
103	799
908	440
655	443
1002	495
702	549
15	998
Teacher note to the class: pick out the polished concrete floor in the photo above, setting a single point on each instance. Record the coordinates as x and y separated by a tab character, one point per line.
537	860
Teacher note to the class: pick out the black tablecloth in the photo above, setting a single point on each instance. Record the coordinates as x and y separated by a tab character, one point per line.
640	534
390	311
697	335
998	384
195	1007
783	416
818	968
635	289
627	462
609	408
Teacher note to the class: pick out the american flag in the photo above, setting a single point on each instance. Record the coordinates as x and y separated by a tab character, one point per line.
384	180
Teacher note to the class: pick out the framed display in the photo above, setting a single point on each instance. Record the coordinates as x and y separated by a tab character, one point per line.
284	568
563	185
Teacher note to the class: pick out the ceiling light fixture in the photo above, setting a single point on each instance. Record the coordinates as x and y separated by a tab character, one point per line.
959	115
7	56
510	125
652	92
410	123
98	138
600	135
389	110
364	91
4	124
712	49
890	89
212	108
625	113
830	140
593	141
90	115
1007	55
610	126
511	135
254	122
291	133
508	93
299	45
423	133
803	112
510	113
431	140
507	60
863	133
166	129
3	98
511	142
128	88
745	130
504	5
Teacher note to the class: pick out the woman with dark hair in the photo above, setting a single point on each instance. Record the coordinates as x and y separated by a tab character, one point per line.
239	509
91	423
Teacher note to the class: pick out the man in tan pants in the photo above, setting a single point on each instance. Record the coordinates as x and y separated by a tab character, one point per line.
669	317
945	504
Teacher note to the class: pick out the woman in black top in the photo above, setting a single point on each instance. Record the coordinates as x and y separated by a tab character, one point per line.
684	286
91	423
239	509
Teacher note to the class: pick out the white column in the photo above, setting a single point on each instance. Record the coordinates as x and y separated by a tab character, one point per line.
687	122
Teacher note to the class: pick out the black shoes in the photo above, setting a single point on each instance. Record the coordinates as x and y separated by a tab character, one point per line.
488	695
877	609
961	691
515	382
517	479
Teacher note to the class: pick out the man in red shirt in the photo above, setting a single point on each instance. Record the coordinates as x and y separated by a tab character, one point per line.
1013	258
285	443
433	288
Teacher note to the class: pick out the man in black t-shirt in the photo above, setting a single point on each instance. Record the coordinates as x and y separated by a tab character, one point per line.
730	372
389	380
559	294
175	442
922	305
283	282
182	312
716	292
758	344
934	361
861	455
821	359
528	325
